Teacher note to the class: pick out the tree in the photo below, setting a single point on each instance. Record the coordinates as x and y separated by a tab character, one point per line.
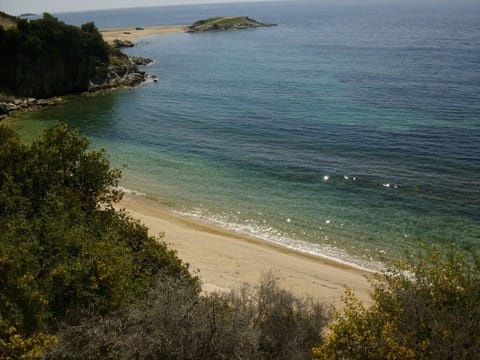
46	57
423	309
65	252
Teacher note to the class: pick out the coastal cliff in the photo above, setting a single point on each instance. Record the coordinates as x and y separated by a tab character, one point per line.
225	23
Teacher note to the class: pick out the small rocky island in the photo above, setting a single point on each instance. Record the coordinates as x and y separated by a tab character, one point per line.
225	23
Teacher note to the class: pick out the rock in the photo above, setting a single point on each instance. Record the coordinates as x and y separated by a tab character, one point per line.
117	43
138	60
4	108
10	104
133	79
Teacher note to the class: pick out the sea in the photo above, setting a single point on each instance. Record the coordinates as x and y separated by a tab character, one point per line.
351	130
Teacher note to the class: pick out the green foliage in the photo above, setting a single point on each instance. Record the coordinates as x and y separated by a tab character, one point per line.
64	251
46	57
16	346
426	309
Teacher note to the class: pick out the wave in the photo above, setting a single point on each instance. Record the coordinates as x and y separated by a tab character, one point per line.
271	235
130	191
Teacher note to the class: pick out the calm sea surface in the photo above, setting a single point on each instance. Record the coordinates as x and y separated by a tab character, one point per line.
351	131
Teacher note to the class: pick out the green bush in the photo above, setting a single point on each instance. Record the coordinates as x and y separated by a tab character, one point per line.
46	57
423	309
65	253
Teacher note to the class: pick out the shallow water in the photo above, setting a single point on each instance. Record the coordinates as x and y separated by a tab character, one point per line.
349	131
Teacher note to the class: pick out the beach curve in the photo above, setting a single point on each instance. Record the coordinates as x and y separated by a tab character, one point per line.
226	260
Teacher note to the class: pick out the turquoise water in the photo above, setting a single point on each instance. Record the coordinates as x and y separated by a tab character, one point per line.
350	131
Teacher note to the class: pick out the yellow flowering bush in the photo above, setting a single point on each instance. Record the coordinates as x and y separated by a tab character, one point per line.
14	345
428	308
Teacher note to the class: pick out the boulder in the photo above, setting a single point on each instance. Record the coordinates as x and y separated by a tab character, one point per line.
118	43
138	60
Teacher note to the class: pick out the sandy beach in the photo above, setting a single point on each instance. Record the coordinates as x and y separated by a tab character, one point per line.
132	34
226	260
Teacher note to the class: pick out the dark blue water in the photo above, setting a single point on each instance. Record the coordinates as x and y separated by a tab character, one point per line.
348	130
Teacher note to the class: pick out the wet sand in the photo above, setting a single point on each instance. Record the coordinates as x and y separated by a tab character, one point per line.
225	260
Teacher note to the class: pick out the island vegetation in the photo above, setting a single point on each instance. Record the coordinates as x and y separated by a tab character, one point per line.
82	280
225	23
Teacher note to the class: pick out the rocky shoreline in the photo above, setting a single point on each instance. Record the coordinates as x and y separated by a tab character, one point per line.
11	104
123	72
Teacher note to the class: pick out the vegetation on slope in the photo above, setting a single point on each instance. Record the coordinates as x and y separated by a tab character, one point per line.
64	252
428	308
79	279
172	322
46	57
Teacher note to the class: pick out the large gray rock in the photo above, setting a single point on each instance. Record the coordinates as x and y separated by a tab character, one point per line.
138	60
117	43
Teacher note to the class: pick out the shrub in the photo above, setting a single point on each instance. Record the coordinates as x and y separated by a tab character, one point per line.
424	309
287	326
175	322
65	253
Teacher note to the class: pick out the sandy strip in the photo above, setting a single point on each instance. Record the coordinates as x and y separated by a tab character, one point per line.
226	260
132	34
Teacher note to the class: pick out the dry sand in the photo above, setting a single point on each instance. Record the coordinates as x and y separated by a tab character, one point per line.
132	34
227	260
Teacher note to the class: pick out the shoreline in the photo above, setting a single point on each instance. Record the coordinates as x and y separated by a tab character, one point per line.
226	260
132	34
15	104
